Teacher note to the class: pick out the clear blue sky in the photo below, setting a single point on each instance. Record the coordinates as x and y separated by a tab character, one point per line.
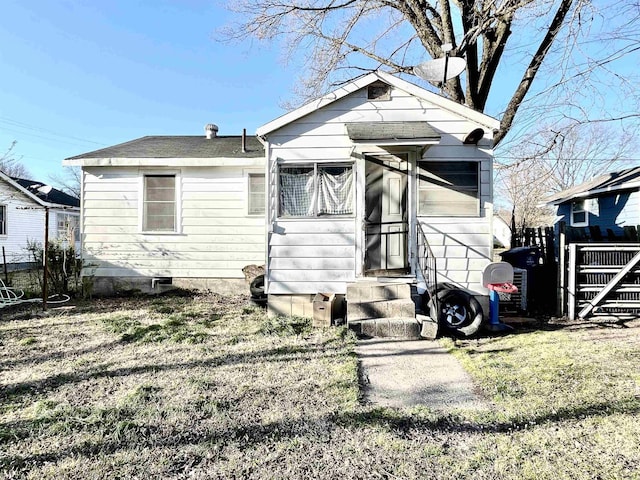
79	75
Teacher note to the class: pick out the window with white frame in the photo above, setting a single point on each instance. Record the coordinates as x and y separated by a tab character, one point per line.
159	203
3	219
68	227
314	190
449	189
256	194
579	213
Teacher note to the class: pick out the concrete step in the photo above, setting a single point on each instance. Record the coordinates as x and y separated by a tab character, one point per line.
373	290
398	327
363	310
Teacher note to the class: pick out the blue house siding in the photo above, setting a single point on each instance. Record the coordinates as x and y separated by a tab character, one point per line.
613	211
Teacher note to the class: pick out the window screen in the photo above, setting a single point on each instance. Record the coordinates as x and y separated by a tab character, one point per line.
316	190
448	189
159	203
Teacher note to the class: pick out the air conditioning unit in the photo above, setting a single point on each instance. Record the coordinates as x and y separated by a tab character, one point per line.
516	301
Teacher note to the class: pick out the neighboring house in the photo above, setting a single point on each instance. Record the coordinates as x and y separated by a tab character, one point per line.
186	210
23	208
501	233
351	177
610	202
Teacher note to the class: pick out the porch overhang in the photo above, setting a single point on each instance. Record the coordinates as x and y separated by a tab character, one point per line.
393	133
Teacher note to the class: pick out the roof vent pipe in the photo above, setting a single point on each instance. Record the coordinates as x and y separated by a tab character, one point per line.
211	130
244	140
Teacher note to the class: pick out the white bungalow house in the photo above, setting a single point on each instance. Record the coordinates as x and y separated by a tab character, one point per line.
347	189
354	180
24	205
180	210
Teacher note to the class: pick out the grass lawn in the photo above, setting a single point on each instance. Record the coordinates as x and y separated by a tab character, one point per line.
208	387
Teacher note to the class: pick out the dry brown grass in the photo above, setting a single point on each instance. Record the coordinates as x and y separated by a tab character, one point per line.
202	386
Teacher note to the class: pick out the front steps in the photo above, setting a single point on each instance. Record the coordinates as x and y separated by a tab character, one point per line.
386	309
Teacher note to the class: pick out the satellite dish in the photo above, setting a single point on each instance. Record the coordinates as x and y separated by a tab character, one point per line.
45	189
440	69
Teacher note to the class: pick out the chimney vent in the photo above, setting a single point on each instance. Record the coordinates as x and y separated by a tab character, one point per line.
211	130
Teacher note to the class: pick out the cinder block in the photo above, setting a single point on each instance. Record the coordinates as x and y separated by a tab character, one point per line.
413	330
382	327
279	305
368	328
397	328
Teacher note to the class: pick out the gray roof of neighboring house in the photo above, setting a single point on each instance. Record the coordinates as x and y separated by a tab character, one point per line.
180	146
54	196
609	182
391	131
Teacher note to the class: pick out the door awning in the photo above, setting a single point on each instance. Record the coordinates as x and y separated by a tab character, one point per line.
393	133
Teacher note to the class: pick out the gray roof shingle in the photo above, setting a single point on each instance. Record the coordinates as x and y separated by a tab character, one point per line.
54	196
609	182
180	146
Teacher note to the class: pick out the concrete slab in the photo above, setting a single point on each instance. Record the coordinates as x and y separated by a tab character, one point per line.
405	373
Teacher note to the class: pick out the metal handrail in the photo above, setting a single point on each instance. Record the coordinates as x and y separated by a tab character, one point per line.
427	265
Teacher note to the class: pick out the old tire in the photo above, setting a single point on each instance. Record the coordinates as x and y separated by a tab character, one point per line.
459	312
257	287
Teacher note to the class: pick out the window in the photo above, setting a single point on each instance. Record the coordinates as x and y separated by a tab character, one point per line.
256	194
316	190
3	219
449	189
579	216
159	203
68	227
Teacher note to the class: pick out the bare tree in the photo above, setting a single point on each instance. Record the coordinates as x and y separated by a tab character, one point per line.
558	160
12	165
497	37
69	181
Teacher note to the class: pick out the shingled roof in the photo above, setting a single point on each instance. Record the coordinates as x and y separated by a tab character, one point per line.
54	196
180	146
609	182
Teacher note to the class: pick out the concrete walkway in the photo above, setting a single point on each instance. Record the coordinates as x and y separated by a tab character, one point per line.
405	373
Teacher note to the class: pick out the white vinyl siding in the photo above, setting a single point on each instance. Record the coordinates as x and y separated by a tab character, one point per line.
448	188
462	249
159	204
333	251
256	194
216	238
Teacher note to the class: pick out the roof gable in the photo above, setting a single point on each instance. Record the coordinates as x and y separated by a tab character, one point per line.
609	182
365	81
32	189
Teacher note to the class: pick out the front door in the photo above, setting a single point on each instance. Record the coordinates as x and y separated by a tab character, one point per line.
386	229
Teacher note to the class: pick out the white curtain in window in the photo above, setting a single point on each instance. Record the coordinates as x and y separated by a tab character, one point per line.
335	191
296	193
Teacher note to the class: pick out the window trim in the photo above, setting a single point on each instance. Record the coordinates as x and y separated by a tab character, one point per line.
248	175
478	164
3	224
585	210
315	165
178	201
